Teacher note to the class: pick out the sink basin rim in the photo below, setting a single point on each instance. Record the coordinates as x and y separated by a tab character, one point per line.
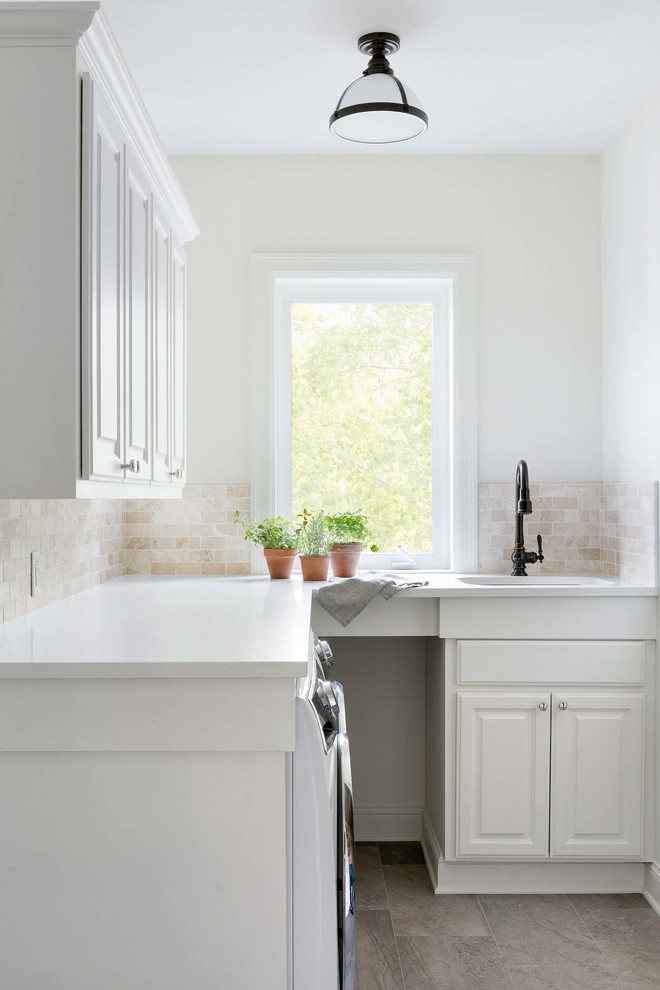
534	581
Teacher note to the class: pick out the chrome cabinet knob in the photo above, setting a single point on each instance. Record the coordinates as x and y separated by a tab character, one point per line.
562	706
132	465
543	707
177	474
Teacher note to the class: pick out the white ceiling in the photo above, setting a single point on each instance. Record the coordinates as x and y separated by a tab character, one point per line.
495	76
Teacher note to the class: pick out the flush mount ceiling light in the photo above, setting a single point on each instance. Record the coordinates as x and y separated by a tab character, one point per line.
377	108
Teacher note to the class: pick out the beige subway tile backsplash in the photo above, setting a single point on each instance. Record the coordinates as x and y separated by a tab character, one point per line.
88	541
195	535
81	544
595	528
601	529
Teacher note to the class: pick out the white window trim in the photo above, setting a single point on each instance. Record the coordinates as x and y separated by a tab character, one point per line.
270	419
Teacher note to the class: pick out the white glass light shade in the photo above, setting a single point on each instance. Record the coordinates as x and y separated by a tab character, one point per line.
373	111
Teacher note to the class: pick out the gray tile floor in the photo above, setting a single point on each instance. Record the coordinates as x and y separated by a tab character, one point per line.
410	939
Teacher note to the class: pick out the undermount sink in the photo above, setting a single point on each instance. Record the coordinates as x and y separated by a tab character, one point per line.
537	580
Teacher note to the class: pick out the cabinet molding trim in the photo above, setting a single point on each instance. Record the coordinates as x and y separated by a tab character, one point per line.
110	71
538	878
53	25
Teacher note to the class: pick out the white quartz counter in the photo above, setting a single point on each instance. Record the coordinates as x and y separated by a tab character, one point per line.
143	626
441	584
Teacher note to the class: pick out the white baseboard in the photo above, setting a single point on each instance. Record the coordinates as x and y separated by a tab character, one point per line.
387	824
536	878
540	878
652	885
431	849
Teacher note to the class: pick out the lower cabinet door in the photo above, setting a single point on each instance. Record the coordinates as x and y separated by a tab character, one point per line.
597	776
503	775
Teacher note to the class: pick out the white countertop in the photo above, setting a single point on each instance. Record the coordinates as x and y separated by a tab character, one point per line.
442	584
153	626
143	626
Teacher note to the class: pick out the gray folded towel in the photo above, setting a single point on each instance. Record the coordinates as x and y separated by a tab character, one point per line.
345	600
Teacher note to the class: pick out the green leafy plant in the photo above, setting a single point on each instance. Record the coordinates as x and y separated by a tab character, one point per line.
313	533
350	527
273	533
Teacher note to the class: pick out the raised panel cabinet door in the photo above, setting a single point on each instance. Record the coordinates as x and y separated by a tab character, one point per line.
137	337
597	775
102	288
503	775
161	361
178	436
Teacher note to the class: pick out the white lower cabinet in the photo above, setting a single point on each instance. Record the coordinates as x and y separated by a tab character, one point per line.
597	763
503	774
542	772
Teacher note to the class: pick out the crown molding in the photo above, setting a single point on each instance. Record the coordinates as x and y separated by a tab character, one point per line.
45	24
111	73
80	24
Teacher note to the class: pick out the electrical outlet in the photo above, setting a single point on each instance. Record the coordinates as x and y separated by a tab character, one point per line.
35	572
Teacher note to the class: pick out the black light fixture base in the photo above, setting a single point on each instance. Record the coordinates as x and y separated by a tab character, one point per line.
385	104
379	42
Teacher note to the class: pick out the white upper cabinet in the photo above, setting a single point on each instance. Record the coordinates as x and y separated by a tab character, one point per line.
161	379
178	352
104	159
92	383
138	411
133	329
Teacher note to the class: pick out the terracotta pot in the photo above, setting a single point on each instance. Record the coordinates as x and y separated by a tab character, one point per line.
314	568
344	558
280	562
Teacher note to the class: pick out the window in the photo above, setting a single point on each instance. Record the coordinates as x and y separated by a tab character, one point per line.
362	414
366	398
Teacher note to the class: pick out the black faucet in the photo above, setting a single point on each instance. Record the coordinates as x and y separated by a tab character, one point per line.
520	556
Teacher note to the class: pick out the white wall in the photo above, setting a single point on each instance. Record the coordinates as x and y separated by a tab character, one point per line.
631	318
631	301
384	682
534	223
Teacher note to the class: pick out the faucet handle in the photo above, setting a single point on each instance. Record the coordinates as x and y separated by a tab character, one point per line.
539	540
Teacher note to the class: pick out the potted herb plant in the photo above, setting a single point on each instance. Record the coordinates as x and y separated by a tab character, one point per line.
278	539
314	539
349	534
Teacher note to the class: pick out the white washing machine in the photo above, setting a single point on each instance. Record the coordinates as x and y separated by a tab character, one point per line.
323	872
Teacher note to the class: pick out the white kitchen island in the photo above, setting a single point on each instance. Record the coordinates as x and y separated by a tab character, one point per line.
144	733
